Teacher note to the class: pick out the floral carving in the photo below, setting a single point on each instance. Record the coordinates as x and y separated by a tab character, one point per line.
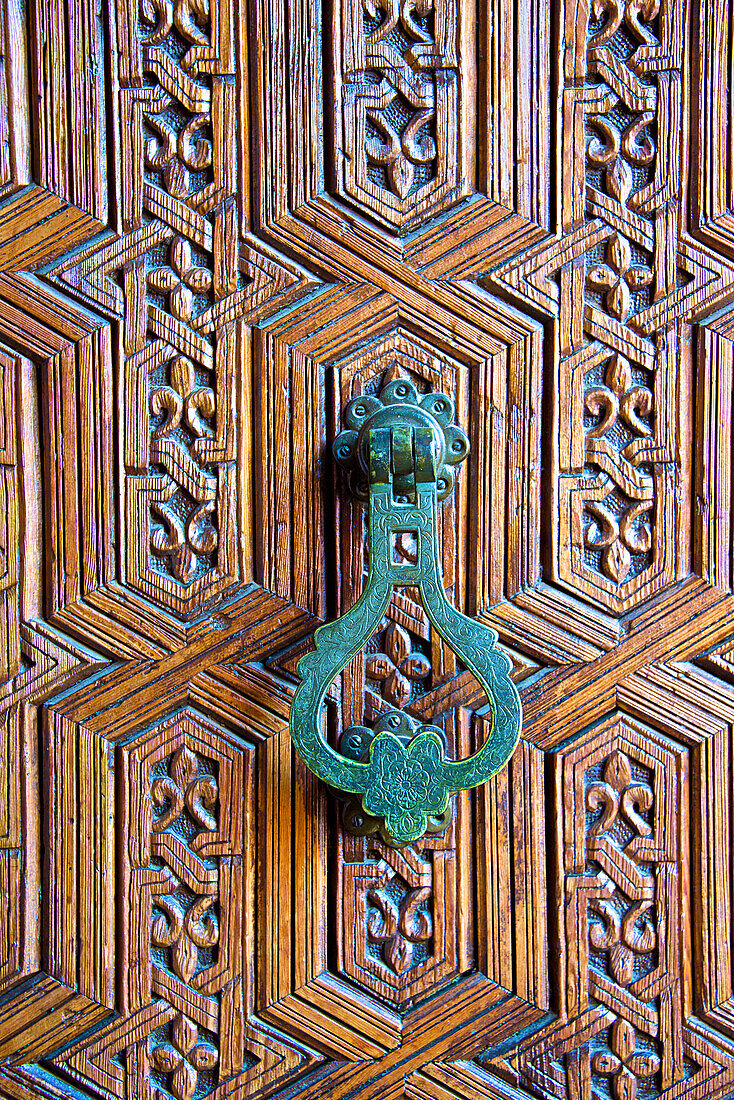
185	533
183	401
634	14
624	936
177	151
185	788
184	530
184	1058
619	477
180	337
621	788
408	16
623	1063
402	107
619	399
400	152
399	923
618	537
623	926
181	280
401	71
618	276
619	526
189	17
184	916
617	796
624	931
617	151
398	666
177	541
184	929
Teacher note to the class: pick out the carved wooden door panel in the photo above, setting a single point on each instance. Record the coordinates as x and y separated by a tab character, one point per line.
221	220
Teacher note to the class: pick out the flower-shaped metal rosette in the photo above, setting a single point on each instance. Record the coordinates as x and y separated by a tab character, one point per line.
405	796
400	405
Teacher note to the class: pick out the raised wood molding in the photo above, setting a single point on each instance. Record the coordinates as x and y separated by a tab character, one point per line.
218	223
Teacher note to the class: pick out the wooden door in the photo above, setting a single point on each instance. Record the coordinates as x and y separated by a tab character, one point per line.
220	220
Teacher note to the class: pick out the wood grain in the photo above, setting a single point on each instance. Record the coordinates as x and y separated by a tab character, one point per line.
219	222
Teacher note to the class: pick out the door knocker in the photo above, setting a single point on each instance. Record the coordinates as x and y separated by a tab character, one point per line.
400	450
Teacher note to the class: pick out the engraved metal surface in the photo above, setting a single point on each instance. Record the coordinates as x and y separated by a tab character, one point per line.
400	450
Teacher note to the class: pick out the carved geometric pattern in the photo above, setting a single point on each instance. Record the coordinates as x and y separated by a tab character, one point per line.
623	873
218	223
397	104
182	296
395	941
185	1024
623	865
620	353
622	283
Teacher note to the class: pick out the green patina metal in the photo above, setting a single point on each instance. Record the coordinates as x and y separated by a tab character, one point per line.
400	450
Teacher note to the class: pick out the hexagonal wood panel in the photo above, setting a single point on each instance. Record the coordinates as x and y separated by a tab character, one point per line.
220	220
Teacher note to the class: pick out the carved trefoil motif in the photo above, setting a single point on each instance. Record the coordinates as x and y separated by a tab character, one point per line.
182	1005
623	362
395	938
399	143
179	343
181	282
622	894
